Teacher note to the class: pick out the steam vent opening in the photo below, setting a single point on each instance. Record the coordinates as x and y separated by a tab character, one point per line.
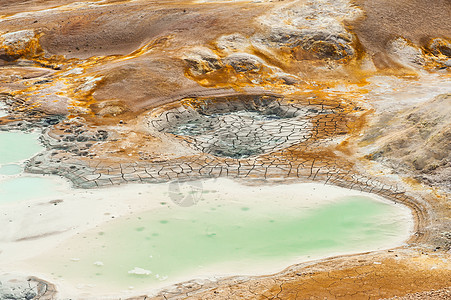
238	127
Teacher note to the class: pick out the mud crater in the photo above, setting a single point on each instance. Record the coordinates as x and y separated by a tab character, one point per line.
238	127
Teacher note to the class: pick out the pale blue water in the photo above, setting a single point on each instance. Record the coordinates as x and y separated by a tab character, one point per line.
15	147
171	243
24	188
11	169
235	233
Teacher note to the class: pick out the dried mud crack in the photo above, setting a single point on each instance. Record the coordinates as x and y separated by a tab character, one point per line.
316	124
238	128
348	93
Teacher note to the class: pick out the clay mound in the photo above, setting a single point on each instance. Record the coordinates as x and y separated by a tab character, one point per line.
419	141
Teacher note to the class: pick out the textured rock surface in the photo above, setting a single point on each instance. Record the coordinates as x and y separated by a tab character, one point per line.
418	142
19	288
105	80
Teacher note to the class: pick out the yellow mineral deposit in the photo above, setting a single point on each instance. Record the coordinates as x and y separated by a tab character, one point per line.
265	135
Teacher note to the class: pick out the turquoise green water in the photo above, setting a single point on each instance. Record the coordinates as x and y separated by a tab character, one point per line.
17	146
233	230
171	243
27	188
12	169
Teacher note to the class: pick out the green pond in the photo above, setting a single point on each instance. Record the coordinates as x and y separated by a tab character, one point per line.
24	188
10	169
18	146
15	147
214	237
230	229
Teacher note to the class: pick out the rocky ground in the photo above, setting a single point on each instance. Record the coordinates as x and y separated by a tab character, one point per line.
12	287
419	142
355	94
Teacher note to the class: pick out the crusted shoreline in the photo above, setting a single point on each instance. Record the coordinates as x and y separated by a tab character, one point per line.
347	93
88	171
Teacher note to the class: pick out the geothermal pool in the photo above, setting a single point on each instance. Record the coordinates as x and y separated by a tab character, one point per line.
18	146
153	235
223	236
15	148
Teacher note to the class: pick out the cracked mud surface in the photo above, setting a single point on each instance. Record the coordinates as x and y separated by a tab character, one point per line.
350	94
371	276
239	131
285	163
12	287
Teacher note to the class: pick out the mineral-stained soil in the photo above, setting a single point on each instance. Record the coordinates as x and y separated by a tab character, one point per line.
362	91
414	20
419	142
369	276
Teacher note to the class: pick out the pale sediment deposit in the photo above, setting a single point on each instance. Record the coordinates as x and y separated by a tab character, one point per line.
354	94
